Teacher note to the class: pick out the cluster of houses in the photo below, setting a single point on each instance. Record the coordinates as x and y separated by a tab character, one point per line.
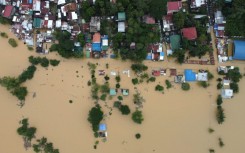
226	92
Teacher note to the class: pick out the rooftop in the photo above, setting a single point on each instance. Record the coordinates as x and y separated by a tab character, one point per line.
189	33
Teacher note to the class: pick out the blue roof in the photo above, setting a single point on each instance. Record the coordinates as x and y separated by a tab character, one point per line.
215	26
30	1
105	37
162	53
113	92
239	50
102	127
96	47
189	75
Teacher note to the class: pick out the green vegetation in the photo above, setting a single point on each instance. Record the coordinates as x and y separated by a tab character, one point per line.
117	85
4	34
211	151
156	10
180	55
137	117
20	92
120	98
159	88
151	79
12	42
26	131
210	76
234	86
138	99
95	116
107	78
54	62
204	84
185	86
168	84
118	78
221	143
138	68
220	116
234	74
27	74
117	104
4	20
138	136
124	109
219	85
210	130
219	100
44	146
30	48
65	46
105	88
179	19
135	81
103	97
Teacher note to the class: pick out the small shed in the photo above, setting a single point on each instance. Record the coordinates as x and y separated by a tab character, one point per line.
227	93
173	72
202	76
156	73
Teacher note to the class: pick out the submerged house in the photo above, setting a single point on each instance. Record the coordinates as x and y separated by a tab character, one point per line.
113	92
227	93
102	130
197	3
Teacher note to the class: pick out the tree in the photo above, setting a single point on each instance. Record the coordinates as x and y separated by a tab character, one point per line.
138	67
137	117
220	116
9	82
180	54
27	74
54	62
95	116
234	86
81	39
107	78
219	85
159	88
25	131
185	86
103	97
179	19
118	78
137	136
124	109
219	100
151	79
156	10
105	88
234	74
12	42
44	62
204	84
135	81
168	84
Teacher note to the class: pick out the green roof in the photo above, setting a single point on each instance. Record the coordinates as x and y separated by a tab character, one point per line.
113	92
175	42
121	16
37	23
88	54
104	47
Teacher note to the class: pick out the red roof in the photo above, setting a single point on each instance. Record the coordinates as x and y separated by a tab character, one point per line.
169	18
96	38
174	6
189	33
156	73
149	20
7	11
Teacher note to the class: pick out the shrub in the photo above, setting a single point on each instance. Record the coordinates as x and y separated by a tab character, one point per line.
220	116
221	143
185	86
117	85
103	97
211	151
12	42
4	35
120	98
137	117
107	65
210	75
234	86
210	130
95	116
118	78
135	81
219	79
30	48
204	84
219	85
89	83
54	62
107	78
168	84
151	79
124	109
117	104
219	100
44	62
137	136
26	131
159	88
34	60
104	88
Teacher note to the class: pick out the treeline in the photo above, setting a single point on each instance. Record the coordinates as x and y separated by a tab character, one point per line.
235	17
28	133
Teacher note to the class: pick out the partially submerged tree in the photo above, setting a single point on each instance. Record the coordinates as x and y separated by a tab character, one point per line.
95	116
137	117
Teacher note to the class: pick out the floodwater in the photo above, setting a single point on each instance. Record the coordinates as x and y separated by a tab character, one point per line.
174	122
